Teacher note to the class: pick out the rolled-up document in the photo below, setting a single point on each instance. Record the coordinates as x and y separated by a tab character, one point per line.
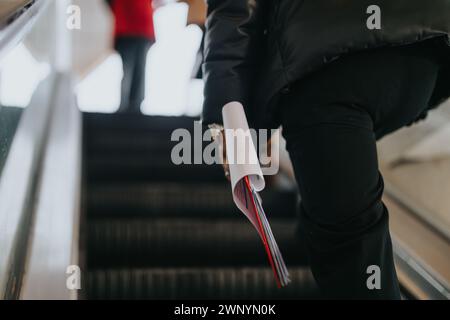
247	180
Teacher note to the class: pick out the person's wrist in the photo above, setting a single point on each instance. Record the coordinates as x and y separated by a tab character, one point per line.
216	130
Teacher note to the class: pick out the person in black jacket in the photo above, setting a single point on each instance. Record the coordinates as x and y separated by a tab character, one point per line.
337	75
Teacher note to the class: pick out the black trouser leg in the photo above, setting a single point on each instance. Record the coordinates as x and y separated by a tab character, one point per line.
133	51
126	49
331	121
343	219
137	92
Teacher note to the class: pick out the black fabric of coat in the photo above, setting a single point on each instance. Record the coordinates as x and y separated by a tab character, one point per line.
255	49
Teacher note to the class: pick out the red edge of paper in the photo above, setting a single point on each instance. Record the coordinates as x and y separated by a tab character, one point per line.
266	245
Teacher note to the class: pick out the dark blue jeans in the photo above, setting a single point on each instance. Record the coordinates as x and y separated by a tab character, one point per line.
331	121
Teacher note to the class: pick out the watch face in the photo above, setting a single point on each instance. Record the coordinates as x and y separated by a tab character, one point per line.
215	129
216	126
215	132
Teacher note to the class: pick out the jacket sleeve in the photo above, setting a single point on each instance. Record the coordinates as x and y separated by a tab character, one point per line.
233	44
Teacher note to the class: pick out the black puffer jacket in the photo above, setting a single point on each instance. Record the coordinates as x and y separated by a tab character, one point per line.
256	48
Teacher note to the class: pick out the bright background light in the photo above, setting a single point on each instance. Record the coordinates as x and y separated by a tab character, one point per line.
170	62
20	74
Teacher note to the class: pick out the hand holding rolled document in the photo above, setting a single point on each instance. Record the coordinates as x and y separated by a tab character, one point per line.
247	180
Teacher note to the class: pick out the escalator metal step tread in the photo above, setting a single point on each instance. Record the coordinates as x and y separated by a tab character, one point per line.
188	242
133	168
116	142
113	145
96	122
198	283
170	199
156	230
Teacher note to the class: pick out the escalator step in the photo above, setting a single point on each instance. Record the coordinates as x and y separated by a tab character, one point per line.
129	143
125	168
115	123
193	200
111	169
156	230
226	283
106	143
186	242
98	141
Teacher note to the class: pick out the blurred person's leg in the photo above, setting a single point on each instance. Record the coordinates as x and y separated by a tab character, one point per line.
331	121
126	47
197	71
137	91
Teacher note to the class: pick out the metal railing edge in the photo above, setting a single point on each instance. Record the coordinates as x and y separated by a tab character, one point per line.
418	211
54	237
13	33
425	280
18	184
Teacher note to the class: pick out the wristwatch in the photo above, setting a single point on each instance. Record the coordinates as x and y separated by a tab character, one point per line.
216	130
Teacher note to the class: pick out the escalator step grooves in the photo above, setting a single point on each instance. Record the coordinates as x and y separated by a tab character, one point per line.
115	142
160	198
116	123
206	200
193	283
132	168
189	242
156	230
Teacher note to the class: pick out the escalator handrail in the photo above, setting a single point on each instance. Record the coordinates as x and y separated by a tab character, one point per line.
18	24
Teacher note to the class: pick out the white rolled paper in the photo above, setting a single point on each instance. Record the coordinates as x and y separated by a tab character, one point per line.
241	151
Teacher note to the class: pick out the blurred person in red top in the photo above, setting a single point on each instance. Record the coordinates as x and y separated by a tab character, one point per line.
134	35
